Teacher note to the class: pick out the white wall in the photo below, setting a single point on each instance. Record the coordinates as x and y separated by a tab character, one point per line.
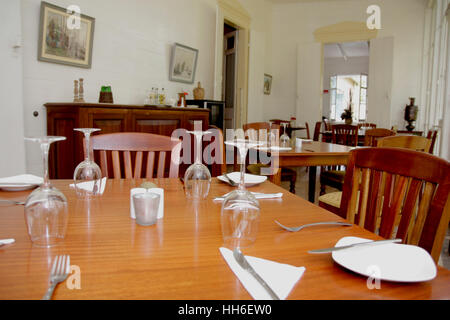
131	52
338	66
259	55
294	23
12	159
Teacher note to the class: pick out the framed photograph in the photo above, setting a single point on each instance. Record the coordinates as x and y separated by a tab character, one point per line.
183	64
267	83
65	38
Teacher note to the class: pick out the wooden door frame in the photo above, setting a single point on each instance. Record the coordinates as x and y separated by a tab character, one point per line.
232	12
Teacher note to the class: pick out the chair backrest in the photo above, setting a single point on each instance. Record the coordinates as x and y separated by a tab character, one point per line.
345	134
372	136
257	126
432	135
399	193
317	131
327	125
217	168
406	141
137	148
308	135
367	125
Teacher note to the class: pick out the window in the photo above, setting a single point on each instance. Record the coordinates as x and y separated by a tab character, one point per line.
340	88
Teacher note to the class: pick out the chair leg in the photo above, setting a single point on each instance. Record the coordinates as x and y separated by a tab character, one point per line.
292	186
322	189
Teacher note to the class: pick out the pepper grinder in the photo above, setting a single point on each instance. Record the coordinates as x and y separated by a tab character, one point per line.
75	91
81	91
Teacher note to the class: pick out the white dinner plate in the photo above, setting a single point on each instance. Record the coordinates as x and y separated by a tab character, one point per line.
389	262
249	179
276	148
20	182
17	187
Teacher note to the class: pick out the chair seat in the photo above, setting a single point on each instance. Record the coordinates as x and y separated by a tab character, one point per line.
332	199
333	175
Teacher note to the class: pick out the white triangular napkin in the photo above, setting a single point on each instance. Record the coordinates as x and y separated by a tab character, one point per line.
280	277
90	185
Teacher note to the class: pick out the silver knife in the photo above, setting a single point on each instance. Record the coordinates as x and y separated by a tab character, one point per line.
240	259
361	244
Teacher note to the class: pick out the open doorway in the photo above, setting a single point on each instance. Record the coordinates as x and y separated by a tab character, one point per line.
345	79
229	74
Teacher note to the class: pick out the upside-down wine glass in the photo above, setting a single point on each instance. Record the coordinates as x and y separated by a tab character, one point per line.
285	141
46	211
87	176
197	179
240	211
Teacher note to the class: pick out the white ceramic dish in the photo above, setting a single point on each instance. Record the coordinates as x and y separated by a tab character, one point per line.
20	182
249	179
17	187
389	262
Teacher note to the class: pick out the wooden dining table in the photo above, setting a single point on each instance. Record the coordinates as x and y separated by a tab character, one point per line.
179	258
311	154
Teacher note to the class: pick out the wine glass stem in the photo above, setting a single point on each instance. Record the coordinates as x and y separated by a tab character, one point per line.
87	137
198	155
243	154
45	148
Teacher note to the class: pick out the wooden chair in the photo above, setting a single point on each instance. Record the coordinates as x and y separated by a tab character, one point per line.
217	168
137	148
371	136
317	131
432	135
287	174
406	141
308	135
332	176
332	201
411	188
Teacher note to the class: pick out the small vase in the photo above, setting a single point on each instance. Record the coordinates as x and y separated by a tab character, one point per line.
348	121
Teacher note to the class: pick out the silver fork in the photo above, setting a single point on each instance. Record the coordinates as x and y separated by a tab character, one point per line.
59	273
295	229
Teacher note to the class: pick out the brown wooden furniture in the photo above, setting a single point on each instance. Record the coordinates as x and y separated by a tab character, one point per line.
342	134
432	135
372	136
406	141
218	163
332	201
310	155
62	118
381	192
179	257
287	174
142	154
317	131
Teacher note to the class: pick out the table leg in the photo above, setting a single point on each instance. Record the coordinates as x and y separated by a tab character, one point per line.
312	184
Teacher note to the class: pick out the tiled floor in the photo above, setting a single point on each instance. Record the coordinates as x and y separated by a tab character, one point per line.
301	189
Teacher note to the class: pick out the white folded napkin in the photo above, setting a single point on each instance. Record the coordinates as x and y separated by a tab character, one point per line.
158	191
22	179
280	277
257	196
276	148
89	186
7	241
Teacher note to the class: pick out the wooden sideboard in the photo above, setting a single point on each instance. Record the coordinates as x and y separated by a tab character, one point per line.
62	118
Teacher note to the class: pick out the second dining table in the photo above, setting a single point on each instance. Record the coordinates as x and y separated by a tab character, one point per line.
179	257
310	154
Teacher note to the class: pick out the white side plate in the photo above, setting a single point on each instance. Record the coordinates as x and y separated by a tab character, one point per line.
389	262
249	179
17	187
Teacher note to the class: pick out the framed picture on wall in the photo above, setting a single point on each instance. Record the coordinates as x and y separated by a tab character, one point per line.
183	64
267	83
65	36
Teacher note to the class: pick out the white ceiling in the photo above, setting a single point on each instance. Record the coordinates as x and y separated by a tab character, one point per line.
348	49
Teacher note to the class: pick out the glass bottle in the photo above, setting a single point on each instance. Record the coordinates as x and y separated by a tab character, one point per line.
162	97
